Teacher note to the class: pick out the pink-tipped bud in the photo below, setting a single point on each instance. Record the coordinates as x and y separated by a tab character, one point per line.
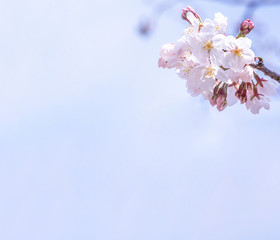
246	27
185	11
219	97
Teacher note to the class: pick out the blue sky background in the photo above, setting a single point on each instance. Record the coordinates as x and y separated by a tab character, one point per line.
97	143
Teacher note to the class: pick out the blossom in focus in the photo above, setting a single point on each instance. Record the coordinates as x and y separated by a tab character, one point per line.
237	53
209	46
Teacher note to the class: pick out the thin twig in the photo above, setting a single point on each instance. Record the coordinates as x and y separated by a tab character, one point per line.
260	66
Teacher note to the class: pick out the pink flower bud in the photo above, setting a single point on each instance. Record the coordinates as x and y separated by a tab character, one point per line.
221	103
185	11
241	92
246	27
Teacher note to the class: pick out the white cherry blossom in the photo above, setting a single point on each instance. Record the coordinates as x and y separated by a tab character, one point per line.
208	47
237	53
202	79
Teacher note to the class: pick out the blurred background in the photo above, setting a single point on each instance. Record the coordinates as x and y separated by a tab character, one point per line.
98	143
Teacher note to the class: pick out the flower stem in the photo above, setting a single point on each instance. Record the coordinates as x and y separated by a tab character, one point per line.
261	67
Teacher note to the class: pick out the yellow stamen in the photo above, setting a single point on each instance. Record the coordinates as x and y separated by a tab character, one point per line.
188	53
189	30
186	72
207	45
210	72
237	52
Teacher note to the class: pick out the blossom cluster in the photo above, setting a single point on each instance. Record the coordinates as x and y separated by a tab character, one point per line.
216	65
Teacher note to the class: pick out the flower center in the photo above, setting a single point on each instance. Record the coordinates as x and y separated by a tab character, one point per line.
210	72
186	72
207	45
189	30
188	53
237	52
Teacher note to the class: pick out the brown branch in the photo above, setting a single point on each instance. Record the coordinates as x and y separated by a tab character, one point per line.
260	66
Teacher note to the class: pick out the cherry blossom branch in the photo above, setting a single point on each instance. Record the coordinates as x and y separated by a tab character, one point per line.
261	67
218	66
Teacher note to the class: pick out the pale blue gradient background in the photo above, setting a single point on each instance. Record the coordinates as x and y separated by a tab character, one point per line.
97	143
